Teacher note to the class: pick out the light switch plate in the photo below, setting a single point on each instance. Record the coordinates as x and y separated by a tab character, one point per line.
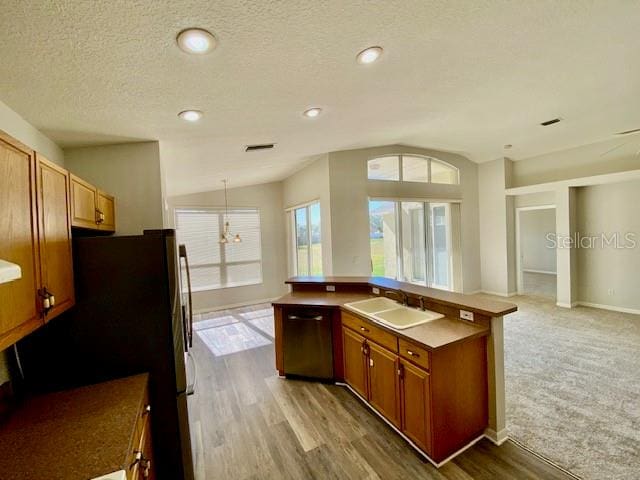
466	315
376	291
331	288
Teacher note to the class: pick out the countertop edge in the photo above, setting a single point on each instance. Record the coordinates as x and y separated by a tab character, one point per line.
502	308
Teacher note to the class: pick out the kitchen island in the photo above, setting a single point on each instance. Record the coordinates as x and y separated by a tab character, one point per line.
439	384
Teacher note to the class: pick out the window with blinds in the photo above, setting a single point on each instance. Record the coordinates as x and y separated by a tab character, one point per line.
214	265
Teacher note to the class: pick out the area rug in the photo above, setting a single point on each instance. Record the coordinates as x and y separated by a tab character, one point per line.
573	387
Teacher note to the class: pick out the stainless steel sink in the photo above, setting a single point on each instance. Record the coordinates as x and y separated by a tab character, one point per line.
391	313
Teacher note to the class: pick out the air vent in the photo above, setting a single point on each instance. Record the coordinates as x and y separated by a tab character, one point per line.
635	130
264	146
550	122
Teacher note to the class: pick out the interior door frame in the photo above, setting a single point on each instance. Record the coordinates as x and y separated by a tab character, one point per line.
519	210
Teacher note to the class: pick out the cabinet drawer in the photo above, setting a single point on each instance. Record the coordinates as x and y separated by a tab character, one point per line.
370	331
414	353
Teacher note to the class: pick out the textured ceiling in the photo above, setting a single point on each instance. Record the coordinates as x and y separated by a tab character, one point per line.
466	76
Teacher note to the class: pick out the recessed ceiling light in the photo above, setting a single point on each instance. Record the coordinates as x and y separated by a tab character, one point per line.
312	112
196	40
191	115
369	55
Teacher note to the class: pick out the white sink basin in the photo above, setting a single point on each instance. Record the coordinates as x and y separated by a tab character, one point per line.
391	313
405	317
372	305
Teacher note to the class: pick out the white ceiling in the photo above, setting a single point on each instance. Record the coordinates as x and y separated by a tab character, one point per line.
465	76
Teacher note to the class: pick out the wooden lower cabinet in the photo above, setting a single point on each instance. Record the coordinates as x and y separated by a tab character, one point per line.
415	395
438	399
354	355
383	382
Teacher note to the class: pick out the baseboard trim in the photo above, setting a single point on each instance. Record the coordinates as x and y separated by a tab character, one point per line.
567	305
497	438
234	305
408	440
546	272
613	308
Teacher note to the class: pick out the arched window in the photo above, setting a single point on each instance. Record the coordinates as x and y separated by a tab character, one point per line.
412	168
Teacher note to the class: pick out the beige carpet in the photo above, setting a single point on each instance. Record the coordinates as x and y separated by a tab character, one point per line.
573	386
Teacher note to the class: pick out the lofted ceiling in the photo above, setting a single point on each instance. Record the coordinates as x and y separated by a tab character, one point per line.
463	76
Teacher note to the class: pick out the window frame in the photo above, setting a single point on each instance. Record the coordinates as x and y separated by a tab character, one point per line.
223	265
293	240
428	241
428	159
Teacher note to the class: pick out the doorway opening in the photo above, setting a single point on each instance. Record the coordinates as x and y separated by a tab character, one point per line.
535	254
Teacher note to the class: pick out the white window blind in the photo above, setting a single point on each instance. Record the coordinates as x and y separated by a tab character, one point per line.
215	265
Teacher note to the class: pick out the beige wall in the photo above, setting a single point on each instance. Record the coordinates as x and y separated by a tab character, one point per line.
131	173
341	181
20	129
609	276
534	245
614	155
268	198
494	228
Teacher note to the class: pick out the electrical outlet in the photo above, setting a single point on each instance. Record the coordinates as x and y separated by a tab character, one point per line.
466	315
331	288
376	291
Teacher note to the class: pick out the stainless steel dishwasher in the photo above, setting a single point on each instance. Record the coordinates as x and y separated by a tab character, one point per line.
308	346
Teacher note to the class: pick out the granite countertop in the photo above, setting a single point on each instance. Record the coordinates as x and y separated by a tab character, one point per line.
435	334
74	434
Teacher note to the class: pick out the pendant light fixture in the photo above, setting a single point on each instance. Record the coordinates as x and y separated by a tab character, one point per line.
226	236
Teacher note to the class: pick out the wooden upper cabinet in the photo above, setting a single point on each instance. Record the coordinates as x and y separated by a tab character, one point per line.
105	211
19	306
415	397
83	203
355	370
91	208
53	190
384	392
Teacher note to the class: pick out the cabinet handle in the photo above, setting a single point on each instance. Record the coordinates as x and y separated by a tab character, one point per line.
412	354
401	371
370	362
137	459
364	329
147	410
317	318
48	300
146	465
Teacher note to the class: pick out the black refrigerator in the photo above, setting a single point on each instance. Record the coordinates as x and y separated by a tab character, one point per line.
129	318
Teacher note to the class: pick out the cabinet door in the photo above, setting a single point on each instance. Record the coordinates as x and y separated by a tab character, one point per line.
106	212
384	392
416	404
55	234
19	305
355	371
83	204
